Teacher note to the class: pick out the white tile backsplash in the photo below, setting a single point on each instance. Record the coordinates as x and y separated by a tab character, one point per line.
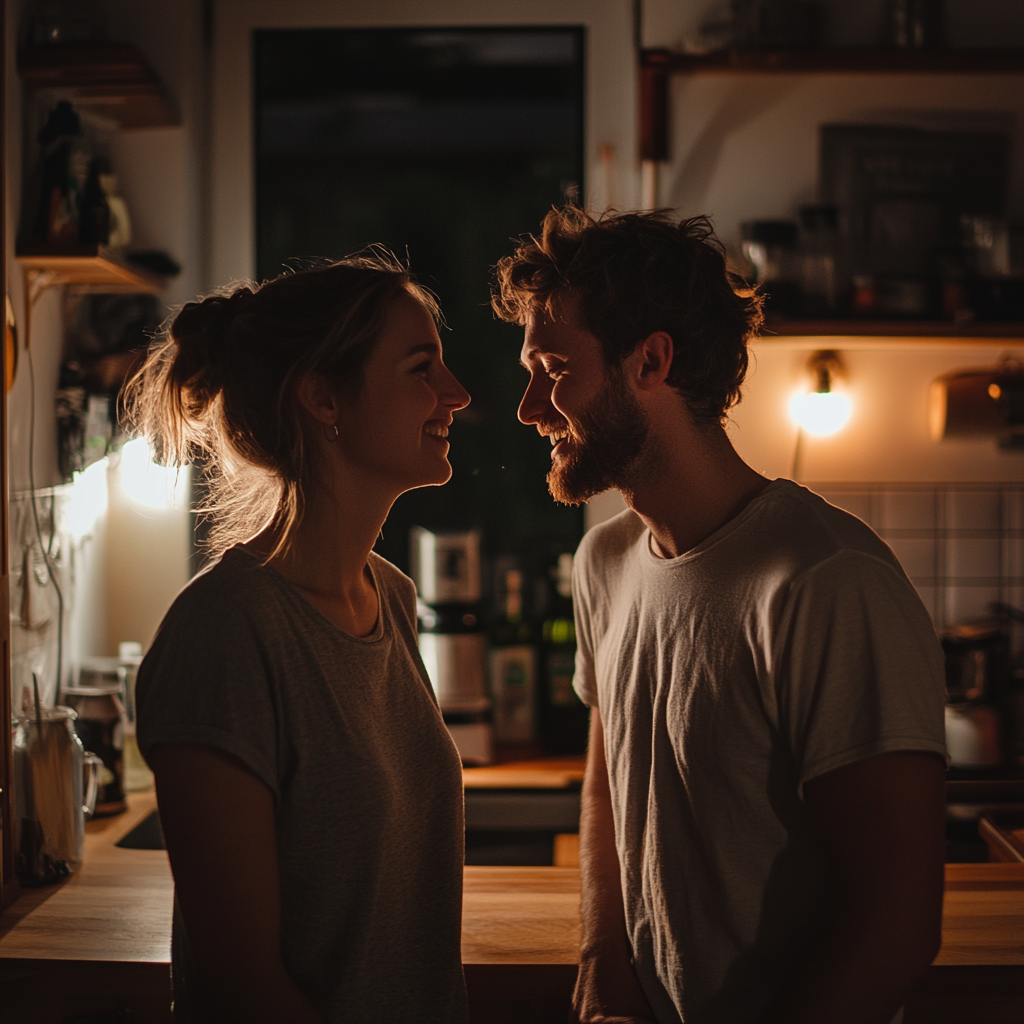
961	545
1013	559
972	557
908	510
973	510
966	603
916	555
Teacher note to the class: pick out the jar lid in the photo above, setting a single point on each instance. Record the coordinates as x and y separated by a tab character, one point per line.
98	690
58	713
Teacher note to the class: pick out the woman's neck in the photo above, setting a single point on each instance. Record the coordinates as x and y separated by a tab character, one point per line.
327	555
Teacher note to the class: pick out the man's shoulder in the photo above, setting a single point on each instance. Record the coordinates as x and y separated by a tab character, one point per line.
610	540
795	521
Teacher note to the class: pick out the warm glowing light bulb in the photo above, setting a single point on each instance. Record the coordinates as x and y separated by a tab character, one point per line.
820	412
146	483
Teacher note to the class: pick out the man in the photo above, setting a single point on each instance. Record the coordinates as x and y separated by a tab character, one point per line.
761	837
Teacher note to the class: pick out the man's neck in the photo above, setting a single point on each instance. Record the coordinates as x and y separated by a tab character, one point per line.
692	488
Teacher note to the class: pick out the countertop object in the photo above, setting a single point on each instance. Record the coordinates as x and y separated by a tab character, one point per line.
108	929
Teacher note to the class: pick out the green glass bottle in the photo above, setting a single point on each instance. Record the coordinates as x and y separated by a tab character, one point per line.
563	719
513	669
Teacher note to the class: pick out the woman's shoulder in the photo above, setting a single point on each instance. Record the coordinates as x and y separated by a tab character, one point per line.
231	589
390	577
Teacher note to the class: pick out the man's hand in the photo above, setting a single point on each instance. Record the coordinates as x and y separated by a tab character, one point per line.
607	989
882	821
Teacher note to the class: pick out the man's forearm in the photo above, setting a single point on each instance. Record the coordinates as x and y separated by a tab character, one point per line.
607	988
882	821
860	971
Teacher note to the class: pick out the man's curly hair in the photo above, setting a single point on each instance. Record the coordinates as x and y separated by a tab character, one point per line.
634	274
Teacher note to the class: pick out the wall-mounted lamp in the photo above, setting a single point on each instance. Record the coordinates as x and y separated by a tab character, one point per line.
823	410
980	403
147	483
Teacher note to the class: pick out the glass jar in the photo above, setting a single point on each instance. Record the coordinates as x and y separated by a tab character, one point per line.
55	786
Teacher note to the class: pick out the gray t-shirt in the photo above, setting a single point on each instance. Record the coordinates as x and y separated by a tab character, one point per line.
347	735
787	644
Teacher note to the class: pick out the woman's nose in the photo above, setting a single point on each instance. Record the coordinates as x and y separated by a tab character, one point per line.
455	395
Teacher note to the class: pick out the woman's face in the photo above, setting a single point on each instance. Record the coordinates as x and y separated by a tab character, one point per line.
396	428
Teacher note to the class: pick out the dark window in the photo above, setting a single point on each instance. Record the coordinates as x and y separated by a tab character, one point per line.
444	144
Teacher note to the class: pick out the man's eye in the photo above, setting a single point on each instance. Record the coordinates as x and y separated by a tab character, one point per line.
421	367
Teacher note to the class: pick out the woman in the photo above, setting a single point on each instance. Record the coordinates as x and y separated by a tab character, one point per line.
310	795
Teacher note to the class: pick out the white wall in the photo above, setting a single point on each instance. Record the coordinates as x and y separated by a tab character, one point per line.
120	592
745	147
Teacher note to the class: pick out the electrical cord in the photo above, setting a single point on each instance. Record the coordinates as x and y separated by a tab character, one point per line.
46	550
798	447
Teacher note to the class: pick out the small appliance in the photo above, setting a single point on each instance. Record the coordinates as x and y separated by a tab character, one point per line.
977	659
446	568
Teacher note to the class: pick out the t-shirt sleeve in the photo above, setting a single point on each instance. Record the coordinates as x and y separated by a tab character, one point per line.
860	670
584	679
206	681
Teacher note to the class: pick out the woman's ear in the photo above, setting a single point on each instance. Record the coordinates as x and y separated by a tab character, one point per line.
318	398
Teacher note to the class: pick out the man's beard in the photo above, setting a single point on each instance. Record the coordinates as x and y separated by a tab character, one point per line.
609	440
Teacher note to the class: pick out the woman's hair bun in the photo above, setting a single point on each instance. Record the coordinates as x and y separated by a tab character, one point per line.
201	330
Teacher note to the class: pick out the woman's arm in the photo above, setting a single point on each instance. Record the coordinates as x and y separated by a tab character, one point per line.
607	990
218	823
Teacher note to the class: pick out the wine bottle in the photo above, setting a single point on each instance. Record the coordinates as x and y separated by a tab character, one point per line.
513	666
562	717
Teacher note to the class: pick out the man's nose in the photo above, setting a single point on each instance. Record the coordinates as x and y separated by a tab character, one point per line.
536	402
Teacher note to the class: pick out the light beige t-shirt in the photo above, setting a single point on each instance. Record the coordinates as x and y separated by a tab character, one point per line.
788	643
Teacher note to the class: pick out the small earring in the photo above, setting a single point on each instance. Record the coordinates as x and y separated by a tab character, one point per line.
331	440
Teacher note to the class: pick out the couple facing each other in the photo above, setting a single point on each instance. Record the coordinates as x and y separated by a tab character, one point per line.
761	837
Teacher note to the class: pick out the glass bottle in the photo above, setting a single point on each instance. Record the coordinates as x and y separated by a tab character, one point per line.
564	719
512	665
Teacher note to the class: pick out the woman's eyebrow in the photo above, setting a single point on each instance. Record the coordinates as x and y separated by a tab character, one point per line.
430	347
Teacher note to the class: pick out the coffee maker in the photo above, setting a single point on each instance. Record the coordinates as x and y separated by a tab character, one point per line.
446	568
977	665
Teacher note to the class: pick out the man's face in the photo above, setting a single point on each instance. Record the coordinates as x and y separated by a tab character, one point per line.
597	428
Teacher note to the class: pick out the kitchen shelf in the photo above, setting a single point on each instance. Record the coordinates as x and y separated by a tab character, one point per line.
912	331
839	61
87	268
110	79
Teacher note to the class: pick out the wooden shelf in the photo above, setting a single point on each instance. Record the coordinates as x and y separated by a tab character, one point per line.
109	79
941	330
840	61
87	268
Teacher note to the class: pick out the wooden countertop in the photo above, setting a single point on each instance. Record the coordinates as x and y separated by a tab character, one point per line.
117	908
541	773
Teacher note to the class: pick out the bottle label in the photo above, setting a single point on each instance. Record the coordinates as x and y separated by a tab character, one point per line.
513	688
560	666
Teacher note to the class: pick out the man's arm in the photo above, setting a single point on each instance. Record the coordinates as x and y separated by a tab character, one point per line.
882	821
607	990
218	821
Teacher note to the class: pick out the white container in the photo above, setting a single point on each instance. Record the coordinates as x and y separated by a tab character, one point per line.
972	736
